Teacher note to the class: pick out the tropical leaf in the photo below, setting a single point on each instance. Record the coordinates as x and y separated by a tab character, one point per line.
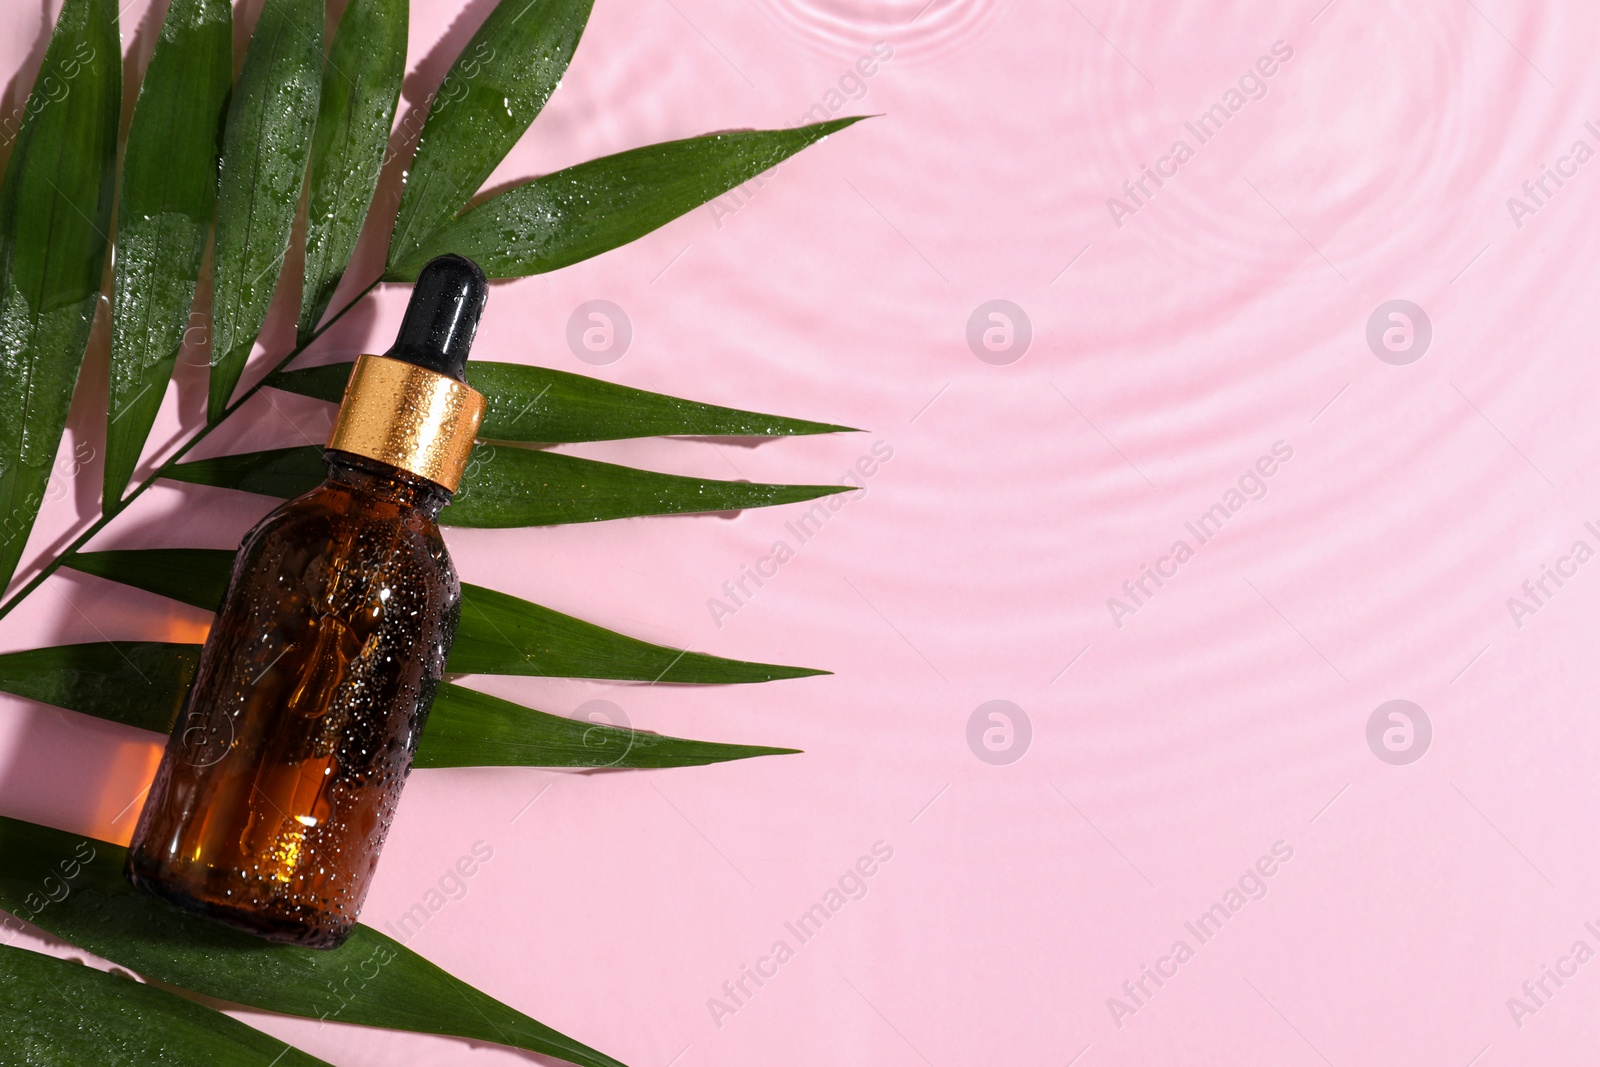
506	486
169	191
580	212
73	887
554	406
495	89
501	634
509	486
471	729
142	684
360	88
136	683
264	150
60	1012
55	209
498	633
291	113
195	576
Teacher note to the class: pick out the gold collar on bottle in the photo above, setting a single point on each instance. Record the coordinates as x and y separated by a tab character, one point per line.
408	417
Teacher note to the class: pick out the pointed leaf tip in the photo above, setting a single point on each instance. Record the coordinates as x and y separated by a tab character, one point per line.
498	633
541	405
505	486
578	213
478	730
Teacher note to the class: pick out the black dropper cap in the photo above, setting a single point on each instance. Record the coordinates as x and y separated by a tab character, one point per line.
442	317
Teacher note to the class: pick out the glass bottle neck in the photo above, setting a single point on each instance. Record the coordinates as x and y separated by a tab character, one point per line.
374	478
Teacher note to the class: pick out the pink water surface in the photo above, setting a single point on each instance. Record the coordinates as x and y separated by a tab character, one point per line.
1178	745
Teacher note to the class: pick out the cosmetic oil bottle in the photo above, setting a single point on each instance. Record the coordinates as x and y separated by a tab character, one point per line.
283	770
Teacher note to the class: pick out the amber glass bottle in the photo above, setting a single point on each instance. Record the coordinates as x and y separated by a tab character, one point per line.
283	770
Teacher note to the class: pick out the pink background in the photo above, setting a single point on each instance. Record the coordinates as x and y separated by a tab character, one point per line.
1168	754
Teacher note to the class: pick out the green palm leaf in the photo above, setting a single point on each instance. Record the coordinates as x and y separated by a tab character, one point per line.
169	191
264	151
60	1012
554	406
196	576
471	729
143	683
498	633
55	210
360	88
580	212
495	89
501	634
291	113
506	486
382	983
137	683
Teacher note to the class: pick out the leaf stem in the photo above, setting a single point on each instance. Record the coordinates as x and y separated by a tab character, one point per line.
106	515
